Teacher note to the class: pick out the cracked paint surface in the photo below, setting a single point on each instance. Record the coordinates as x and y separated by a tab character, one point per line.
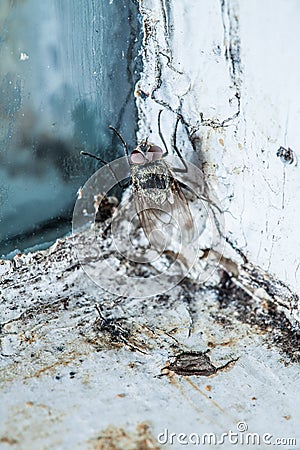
80	368
231	77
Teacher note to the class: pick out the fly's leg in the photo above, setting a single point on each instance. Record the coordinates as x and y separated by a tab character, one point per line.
124	143
174	143
183	169
161	135
93	156
122	140
121	185
200	197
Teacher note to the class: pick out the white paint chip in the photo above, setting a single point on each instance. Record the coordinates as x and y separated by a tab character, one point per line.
24	56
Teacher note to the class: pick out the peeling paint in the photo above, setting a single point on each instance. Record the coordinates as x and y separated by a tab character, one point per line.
113	438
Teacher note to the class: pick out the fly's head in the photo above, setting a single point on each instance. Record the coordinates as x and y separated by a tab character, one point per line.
145	153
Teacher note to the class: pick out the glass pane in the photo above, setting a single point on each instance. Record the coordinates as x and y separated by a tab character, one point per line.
68	70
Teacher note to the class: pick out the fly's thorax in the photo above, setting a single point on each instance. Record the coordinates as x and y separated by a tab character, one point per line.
153	180
154	175
158	166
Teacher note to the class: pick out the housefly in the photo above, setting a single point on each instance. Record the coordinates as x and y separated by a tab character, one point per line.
160	203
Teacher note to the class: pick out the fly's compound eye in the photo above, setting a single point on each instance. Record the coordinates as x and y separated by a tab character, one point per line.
137	157
154	153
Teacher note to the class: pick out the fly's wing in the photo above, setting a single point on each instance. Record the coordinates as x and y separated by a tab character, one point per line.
165	216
